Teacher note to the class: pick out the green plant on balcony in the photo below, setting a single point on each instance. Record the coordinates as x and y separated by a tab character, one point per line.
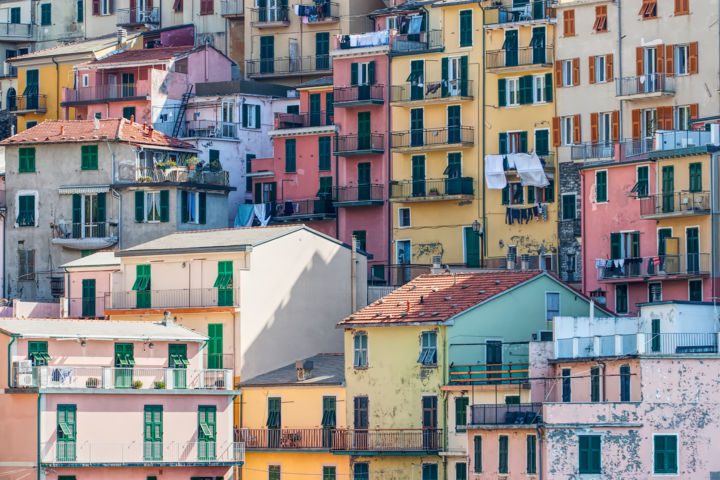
137	384
434	192
144	180
166	165
92	382
159	385
191	162
215	166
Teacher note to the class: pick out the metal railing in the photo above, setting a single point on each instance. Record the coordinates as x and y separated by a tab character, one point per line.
488	373
285	121
673	139
323	11
432	136
180	174
416	42
30	103
645	84
212	129
656	266
388	440
106	92
137	378
258	67
77	307
641	343
270	15
138	16
303	207
675	204
535	10
506	414
359	144
358	94
357	193
432	90
287	438
638	146
432	188
593	151
232	7
397	274
15	30
178	298
139	452
519	57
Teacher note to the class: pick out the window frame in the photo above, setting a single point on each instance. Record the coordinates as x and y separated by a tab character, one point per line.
600	69
567	130
428	348
26	159
681	59
625	383
512	92
35	213
665	470
567	73
461	414
477	454
404	211
548	295
604	198
360	353
589	450
564	212
503	454
648	10
643	193
690	289
539	94
462	34
147	206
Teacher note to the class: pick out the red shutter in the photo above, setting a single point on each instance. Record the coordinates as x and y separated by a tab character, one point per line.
96	7
636	114
111	4
609	67
177	6
660	52
591	68
616	125
669	59
149	4
594	135
576	129
639	61
693	61
693	112
556	131
558	74
576	71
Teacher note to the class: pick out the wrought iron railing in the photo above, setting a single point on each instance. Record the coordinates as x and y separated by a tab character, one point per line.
358	94
302	120
519	57
107	92
655	266
431	90
506	414
645	84
177	298
181	174
358	144
287	438
416	42
675	204
432	137
358	193
138	16
31	102
388	440
270	15
259	67
139	452
535	10
430	188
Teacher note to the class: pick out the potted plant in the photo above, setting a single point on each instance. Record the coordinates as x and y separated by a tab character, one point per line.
434	192
191	162
144	180
92	382
137	384
159	385
165	165
215	166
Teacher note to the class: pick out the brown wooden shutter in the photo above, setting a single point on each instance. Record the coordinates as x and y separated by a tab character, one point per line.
594	134
609	67
177	5
660	53
636	115
576	71
569	23
591	69
616	125
558	74
576	129
662	116
693	61
111	4
96	7
669	118
639	61
682	7
149	4
693	112
669	59
556	131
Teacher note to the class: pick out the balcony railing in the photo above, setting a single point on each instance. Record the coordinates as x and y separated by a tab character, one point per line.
270	16
488	373
675	204
654	83
435	189
285	121
357	195
638	146
212	129
637	344
388	440
143	453
592	151
15	30
181	175
506	414
88	307
105	93
416	42
85	236
232	7
358	95
178	298
64	376
396	275
287	438
347	145
496	59
31	103
284	66
674	139
289	210
432	137
690	264
138	16
432	90
533	11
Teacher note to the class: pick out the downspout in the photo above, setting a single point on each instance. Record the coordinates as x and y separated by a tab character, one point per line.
39	402
389	165
57	87
620	68
4	277
482	155
446	433
9	362
714	223
539	450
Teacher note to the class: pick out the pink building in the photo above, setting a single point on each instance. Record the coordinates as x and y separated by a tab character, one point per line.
104	399
151	85
87	285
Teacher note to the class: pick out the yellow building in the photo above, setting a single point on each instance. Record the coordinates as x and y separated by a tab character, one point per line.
520	219
293	419
436	140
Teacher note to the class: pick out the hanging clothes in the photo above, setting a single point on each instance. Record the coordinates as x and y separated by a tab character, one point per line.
494	173
530	169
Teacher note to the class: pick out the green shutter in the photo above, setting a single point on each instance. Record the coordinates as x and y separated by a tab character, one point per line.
66	432
207	418
523	142
643	187
274	419
184	209
329	412
503	143
139	206
531	454
371	72
530	195
164	205
615	245
257	117
202	208
26	160
601	186
258	193
548	87
444	70
526	93
290	155
542	142
153	432
477	454
635	245
245	118
695	177
324	154
88	298
353	74
76	212
502	92
89	157
224	283
503	454
215	346
466	33
506	195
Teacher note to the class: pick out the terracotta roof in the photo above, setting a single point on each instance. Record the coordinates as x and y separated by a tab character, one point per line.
113	129
146	55
437	298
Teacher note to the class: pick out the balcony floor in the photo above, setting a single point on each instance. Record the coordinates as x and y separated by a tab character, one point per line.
431	101
278	24
433	198
299	73
354	153
645	95
441	146
520	68
359	203
359	103
676	214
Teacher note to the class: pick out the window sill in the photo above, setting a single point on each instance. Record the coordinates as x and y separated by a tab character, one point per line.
357	367
428	365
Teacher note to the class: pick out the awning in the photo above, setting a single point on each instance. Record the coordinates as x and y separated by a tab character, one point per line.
42	356
65	429
179	361
427	355
125	360
82	189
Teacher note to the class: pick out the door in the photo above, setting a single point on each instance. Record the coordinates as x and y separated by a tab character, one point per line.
274	422
207	427
668	189
511	48
215	346
655	337
417	79
315	114
153	434
31	89
454	125
361	422
416	127
454	77
143	294
88	298
124	362
322	51
493	357
225	285
128	85
538	45
651	83
364	181
418	176
177	360
472	248
267	54
429	422
692	247
453	182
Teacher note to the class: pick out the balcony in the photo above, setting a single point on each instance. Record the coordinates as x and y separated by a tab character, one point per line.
212	129
351	145
387	440
290	211
532	12
286	121
139	453
135	378
181	174
230	8
645	86
358	96
31	104
15	31
423	139
178	298
122	92
358	195
440	91
443	189
412	43
518	59
288	66
659	266
85	236
396	275
270	17
593	152
639	343
674	204
508	415
78	307
132	17
287	438
489	373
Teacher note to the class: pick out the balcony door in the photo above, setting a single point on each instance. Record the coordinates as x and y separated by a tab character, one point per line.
472	248
493	357
416	127
429	422
322	51
650	68
124	361
668	188
32	87
511	48
177	360
361	423
454	124
417	79
363	181
538	45
363	131
267	54
128	85
315	107
418	175
692	247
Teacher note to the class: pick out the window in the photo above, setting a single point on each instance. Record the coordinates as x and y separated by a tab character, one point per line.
250	115
461	471
540	87
568	206
643	185
681	58
466	28
290	155
461	404
566	387
249	157
128	113
153	432
531	454
567	130
552	305
26	265
512	92
513	194
430	471
106	7
362	73
600	69
655	292
649	122
88	298
30	124
682	117
26	211
329	473
360	236
648	9
624	245
665	454
89	157
38	353
621	299
428	348
360	350
542	142
224	283
273	472
589	454
207	7
695	177
601	186
206	432
695	290
15	15
361	471
193	207
502	454
324	153
142	286
682	7
569	23
85	80
600	24
274	418
152	206
624	383
595	384
404	217
329	405
477	454
45	14
66	432
178	5
80	11
26	160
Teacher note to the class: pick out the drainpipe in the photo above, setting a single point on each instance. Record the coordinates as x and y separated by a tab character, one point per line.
714	223
389	164
482	155
539	450
57	86
9	362
353	279
620	67
117	195
4	277
38	435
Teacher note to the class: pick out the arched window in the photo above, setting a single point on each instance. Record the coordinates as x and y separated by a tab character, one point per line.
11	97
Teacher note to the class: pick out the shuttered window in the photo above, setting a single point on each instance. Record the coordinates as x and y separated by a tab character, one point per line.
601	186
466	28
569	23
329	418
26	160
153	432
290	155
324	153
503	454
477	454
600	24
589	454
89	157
274	419
207	7
207	415
531	454
665	454
26	211
461	404
648	9
66	432
695	177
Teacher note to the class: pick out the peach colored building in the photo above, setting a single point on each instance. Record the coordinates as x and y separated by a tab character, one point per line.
105	399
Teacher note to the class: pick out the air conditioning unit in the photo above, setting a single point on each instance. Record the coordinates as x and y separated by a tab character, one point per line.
24	380
23	366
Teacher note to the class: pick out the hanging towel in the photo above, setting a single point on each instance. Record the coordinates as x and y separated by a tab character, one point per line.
415	24
494	173
244	215
261	214
297	10
529	169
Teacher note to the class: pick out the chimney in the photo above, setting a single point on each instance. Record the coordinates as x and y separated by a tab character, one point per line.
132	118
121	36
96	123
436	264
303	367
167	318
62	130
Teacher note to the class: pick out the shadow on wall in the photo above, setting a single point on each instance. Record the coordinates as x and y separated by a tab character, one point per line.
22	309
